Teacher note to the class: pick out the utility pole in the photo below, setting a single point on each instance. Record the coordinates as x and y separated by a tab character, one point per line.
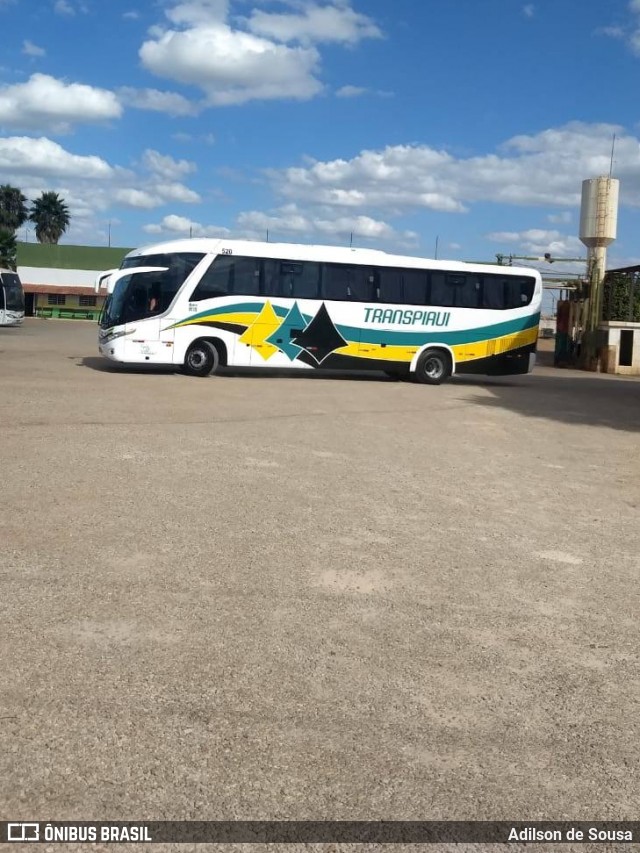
109	238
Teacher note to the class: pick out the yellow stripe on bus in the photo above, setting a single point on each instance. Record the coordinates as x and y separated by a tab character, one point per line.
461	352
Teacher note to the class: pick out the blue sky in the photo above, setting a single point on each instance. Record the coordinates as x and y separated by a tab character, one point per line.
473	121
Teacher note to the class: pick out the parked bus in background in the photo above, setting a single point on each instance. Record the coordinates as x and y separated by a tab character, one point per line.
11	299
201	304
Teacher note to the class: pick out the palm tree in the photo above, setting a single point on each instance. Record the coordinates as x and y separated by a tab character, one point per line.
51	217
8	249
13	208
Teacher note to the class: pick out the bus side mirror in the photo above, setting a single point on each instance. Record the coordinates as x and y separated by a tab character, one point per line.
102	280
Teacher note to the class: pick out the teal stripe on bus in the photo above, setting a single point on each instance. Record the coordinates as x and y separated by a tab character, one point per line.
236	307
376	335
371	335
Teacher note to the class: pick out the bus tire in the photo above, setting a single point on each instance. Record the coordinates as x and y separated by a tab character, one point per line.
433	367
202	358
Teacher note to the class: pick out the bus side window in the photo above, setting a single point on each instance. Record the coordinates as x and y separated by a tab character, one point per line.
493	292
527	288
245	280
390	284
215	280
362	285
518	291
466	288
271	283
336	281
415	287
304	278
441	293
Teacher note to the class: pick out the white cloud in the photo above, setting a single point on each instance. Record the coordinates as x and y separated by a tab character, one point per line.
334	22
289	219
155	196
131	197
197	12
173	224
165	166
205	138
630	32
613	32
44	102
232	67
161	185
89	184
538	241
529	10
171	103
132	15
177	192
22	155
351	91
62	7
356	91
561	218
275	58
31	49
542	169
634	41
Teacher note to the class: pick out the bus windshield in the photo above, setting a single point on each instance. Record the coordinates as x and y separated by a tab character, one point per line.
13	293
147	294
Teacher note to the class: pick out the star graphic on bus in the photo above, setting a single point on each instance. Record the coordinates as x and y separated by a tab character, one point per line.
292	325
320	338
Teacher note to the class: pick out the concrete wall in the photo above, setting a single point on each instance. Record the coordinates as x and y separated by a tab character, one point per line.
57	278
71	310
612	351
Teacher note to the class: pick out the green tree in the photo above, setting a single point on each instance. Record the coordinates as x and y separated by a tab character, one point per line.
51	217
621	297
13	208
8	249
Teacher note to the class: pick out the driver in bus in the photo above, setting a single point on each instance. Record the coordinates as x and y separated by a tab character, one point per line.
154	299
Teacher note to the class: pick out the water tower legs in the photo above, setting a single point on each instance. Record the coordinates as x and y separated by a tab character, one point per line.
589	349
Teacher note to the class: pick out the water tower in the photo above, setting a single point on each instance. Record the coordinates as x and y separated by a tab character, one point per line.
598	228
599	218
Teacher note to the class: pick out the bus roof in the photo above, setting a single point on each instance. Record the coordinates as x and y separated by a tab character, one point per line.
329	254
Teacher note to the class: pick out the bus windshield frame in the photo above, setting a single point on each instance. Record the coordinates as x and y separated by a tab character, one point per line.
149	292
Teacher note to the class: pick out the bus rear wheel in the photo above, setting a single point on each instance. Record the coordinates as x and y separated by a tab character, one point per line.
202	358
433	367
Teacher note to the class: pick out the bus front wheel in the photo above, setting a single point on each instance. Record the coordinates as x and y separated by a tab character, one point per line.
201	359
433	367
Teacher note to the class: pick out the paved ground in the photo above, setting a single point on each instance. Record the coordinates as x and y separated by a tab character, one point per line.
275	597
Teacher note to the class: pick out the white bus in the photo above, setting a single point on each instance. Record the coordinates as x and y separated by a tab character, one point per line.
202	304
11	299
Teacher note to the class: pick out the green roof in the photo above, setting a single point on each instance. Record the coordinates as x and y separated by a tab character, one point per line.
53	256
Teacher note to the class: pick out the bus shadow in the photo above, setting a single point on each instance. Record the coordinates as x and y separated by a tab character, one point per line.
102	365
570	398
283	373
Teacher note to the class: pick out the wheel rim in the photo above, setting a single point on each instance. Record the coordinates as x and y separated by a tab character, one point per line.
197	359
433	367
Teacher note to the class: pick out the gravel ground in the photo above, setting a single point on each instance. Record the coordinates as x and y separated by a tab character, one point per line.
288	597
